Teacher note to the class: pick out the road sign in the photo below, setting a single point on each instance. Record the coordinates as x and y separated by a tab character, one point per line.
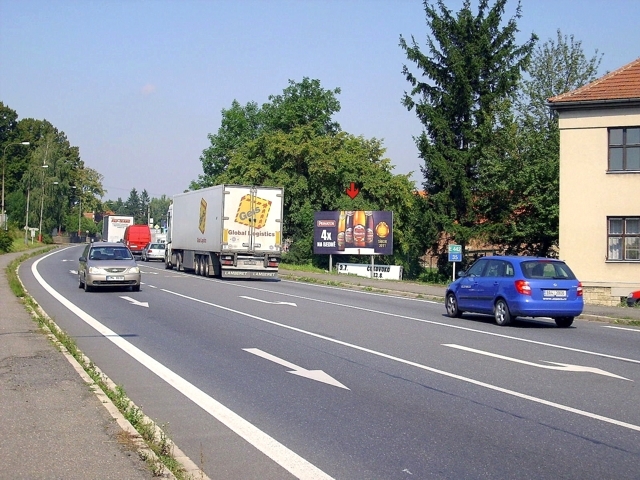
455	253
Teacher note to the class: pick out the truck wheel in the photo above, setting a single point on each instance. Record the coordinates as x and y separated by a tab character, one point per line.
179	263
198	265
205	265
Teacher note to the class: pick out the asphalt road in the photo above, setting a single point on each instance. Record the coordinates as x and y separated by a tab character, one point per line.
405	392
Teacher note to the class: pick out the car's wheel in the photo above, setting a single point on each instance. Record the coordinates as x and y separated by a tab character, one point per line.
501	313
135	288
80	282
452	306
87	288
564	322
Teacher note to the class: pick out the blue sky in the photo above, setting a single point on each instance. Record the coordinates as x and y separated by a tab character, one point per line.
138	85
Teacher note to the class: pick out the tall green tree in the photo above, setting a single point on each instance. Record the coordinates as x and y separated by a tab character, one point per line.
133	206
521	198
293	142
472	65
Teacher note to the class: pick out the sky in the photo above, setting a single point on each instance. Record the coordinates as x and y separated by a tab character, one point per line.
138	85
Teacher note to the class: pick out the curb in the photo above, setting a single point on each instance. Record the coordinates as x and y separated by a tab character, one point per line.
190	468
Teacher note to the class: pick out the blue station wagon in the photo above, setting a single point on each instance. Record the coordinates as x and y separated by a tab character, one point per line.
508	287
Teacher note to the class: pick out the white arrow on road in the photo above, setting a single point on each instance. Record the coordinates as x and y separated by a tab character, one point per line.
73	272
317	375
567	367
136	302
272	303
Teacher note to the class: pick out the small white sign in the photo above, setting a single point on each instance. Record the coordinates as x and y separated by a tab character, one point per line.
384	272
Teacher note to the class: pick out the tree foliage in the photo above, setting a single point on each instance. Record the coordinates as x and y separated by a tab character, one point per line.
472	66
521	202
293	142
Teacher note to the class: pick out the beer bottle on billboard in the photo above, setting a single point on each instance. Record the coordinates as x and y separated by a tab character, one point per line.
369	228
348	232
341	230
359	230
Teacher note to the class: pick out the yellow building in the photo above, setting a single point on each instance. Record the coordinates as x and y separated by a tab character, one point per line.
600	183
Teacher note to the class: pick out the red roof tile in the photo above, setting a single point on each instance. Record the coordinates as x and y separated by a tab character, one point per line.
621	84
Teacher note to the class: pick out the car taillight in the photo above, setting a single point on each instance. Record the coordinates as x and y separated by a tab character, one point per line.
523	287
579	290
226	260
273	262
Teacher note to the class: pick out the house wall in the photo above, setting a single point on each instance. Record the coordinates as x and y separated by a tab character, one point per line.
588	194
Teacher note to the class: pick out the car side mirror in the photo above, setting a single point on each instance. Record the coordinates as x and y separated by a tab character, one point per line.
461	274
83	259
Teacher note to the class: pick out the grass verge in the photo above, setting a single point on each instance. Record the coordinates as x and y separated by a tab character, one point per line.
157	450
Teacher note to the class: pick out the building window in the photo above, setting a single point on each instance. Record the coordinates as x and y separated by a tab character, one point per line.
624	149
623	238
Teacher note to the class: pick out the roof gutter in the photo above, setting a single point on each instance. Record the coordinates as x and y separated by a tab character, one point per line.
593	104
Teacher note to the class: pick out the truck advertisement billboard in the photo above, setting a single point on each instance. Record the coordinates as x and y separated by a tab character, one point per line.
353	232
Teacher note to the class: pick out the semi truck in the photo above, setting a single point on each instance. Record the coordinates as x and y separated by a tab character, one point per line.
227	231
113	227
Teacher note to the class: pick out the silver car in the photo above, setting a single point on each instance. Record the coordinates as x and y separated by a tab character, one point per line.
153	251
104	264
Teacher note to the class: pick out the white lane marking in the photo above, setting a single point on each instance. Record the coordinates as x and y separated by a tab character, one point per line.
151	286
277	452
272	303
622	328
566	367
420	320
133	301
317	375
73	272
524	396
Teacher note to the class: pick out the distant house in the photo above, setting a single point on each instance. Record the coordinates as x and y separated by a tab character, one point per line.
600	183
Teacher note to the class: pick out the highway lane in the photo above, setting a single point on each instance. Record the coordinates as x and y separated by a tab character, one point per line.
418	406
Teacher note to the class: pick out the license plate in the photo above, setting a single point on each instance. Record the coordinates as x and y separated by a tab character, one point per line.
115	278
249	262
555	293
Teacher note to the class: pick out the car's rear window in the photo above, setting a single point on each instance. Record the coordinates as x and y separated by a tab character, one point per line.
157	246
110	253
540	269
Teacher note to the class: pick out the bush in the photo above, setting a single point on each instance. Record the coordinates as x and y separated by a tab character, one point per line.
6	241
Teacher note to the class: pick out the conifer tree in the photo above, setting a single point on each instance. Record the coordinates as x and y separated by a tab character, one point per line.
472	66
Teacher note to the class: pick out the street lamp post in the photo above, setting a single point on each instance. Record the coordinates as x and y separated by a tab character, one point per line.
41	205
4	161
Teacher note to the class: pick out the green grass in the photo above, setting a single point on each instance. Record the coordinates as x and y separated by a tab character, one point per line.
302	268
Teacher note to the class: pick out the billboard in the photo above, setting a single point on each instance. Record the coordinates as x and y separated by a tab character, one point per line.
353	232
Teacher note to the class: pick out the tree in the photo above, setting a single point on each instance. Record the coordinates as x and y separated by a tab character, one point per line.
473	66
303	103
526	184
239	125
314	169
556	67
293	142
133	205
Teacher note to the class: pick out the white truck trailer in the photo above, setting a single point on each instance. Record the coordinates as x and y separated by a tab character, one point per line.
228	231
113	227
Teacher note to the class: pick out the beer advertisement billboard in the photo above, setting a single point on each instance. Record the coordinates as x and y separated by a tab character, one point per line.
353	232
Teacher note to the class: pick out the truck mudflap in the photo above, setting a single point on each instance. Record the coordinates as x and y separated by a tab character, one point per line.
257	274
